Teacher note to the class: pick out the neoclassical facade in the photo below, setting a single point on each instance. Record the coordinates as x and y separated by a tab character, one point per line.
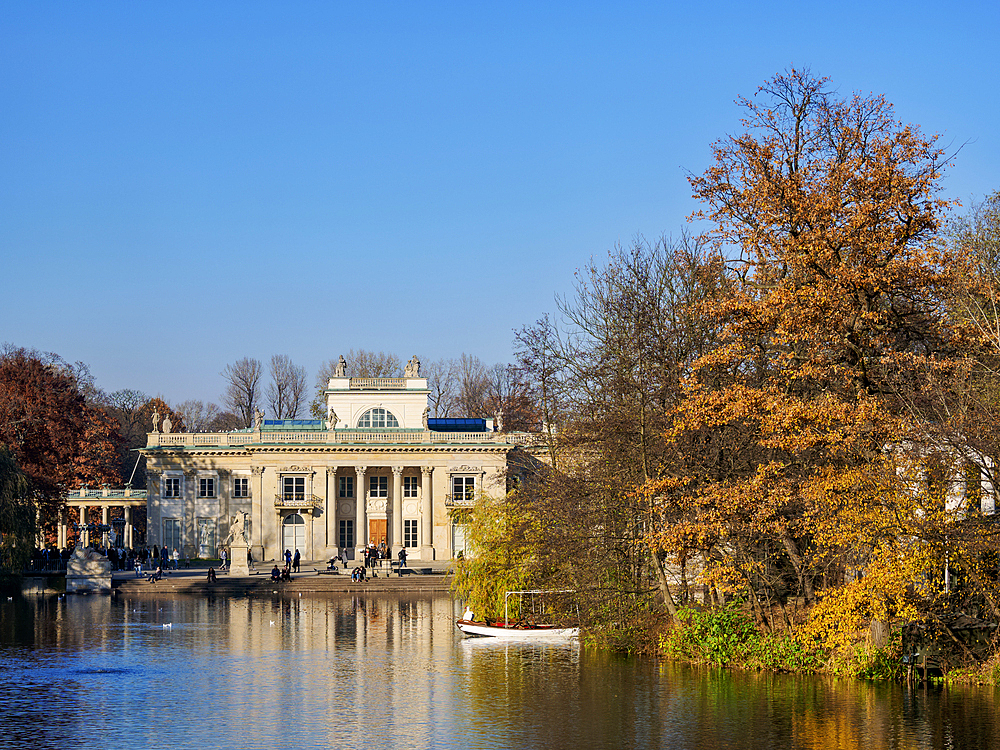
378	469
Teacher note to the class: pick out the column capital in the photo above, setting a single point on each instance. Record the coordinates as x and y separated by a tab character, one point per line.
397	470
426	470
257	470
331	471
361	469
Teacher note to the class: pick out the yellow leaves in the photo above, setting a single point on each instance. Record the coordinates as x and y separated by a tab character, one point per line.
888	588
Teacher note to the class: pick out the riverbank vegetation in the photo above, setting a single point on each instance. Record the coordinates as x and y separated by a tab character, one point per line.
771	440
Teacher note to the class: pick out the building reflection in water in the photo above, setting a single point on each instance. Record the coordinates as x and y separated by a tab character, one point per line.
392	671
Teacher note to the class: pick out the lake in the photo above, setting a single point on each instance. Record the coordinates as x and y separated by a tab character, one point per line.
391	671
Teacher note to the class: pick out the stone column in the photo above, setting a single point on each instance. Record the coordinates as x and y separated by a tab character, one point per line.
104	519
361	510
332	511
426	515
128	527
63	528
396	538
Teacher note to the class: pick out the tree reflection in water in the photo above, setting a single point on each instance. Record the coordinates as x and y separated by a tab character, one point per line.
392	671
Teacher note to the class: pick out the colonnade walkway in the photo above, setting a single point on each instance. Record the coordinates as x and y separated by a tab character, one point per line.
313	578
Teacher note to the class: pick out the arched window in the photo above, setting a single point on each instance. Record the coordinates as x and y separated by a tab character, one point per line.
378	418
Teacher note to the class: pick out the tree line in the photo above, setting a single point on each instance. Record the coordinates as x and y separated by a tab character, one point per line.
794	407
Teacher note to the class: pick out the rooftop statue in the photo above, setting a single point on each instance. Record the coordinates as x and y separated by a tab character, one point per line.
341	370
412	369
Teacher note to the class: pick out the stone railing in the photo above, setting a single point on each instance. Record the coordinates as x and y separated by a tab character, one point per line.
349	436
462	500
301	501
365	384
85	492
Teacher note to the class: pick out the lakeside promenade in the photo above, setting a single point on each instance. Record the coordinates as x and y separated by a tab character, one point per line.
314	579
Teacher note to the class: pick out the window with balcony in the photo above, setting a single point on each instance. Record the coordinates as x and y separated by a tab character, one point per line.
293	489
378	418
463	490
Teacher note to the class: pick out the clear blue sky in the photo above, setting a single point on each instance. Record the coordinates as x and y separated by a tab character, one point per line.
185	184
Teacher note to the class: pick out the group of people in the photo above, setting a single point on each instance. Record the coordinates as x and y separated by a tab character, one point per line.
281	574
162	557
121	558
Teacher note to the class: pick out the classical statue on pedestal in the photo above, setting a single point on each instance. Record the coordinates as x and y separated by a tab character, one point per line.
156	420
412	369
426	416
341	369
259	419
238	530
331	420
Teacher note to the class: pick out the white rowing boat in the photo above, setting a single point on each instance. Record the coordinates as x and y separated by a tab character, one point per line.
515	630
471	627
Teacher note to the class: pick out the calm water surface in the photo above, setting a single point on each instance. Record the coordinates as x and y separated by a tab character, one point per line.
392	671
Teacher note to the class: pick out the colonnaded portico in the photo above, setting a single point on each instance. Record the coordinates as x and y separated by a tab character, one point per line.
377	469
106	499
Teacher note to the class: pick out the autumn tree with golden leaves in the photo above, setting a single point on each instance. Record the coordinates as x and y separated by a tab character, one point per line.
803	416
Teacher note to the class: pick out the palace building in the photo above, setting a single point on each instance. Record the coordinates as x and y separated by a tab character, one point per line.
377	469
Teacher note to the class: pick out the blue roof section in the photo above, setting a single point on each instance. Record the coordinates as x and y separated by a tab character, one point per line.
451	424
293	424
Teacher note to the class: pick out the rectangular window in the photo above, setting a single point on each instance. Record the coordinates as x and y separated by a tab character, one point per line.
458	546
206	487
172	533
409	533
293	489
378	486
172	487
346	487
463	489
346	534
410	485
241	487
206	537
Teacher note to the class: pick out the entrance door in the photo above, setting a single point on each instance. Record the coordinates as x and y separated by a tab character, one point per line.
293	535
377	531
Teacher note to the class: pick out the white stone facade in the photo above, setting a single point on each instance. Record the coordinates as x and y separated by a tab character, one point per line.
320	486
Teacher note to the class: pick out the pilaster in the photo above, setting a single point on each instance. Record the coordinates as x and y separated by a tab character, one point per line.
361	510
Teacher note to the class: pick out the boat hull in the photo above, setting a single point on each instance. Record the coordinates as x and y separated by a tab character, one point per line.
470	627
